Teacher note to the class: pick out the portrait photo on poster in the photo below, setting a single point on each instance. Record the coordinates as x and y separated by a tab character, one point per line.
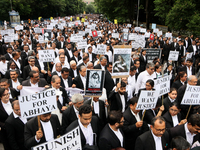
94	82
121	63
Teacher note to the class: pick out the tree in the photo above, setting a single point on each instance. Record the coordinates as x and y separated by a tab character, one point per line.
193	25
90	8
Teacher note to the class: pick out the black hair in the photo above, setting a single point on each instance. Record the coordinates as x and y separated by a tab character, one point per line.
133	100
180	143
174	104
194	119
123	84
151	82
133	68
31	73
65	69
160	118
85	109
190	60
2	90
114	117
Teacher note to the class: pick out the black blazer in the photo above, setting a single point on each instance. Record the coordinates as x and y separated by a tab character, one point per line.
78	82
14	93
108	139
142	63
15	130
180	51
184	68
42	82
115	100
149	115
180	131
58	45
98	66
130	129
166	103
73	58
165	51
8	58
71	73
190	49
10	82
93	57
177	84
146	141
67	54
11	60
69	82
32	126
102	113
95	128
68	117
169	121
109	83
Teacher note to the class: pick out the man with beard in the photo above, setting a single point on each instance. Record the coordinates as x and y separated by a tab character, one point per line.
50	129
118	97
111	136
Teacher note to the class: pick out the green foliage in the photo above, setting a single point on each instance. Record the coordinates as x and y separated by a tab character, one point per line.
90	8
193	24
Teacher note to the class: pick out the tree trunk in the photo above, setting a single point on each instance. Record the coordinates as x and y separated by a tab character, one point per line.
147	14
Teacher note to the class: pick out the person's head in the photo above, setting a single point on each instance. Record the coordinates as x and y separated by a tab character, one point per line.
192	80
150	68
103	60
169	67
9	49
4	83
158	126
69	46
4	95
26	48
144	51
122	89
158	68
35	69
15	55
89	65
62	58
133	103
193	43
75	52
90	49
109	67
189	62
194	123
45	117
77	100
65	73
16	107
137	63
58	66
116	119
55	81
85	59
133	70
31	53
13	75
125	80
174	108
85	114
73	64
82	71
34	76
108	48
172	93
179	143
182	76
31	60
3	59
149	84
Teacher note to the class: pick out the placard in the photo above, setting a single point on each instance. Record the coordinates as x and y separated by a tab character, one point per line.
129	25
8	39
76	38
189	55
121	62
19	27
143	30
159	33
147	100
94	82
125	30
81	44
168	34
41	39
46	55
101	49
191	95
115	21
153	26
162	85
38	30
69	141
137	29
50	27
38	103
152	53
132	36
115	35
173	55
156	30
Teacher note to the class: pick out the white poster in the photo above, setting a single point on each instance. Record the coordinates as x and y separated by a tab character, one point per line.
69	141
191	95
147	100
162	85
132	36
38	103
101	49
115	35
38	30
8	39
173	55
46	55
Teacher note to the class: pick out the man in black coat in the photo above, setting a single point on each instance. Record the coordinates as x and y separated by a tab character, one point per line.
66	80
73	71
14	80
80	80
165	51
118	97
133	124
8	55
156	139
108	139
189	68
71	113
102	64
35	80
192	128
86	120
98	109
15	127
34	136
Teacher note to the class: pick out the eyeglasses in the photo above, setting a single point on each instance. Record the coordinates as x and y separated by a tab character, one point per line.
16	110
160	130
175	110
6	94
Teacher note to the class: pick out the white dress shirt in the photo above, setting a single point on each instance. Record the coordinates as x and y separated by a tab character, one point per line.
123	102
8	108
15	84
109	53
189	136
75	73
158	142
194	48
83	79
48	130
90	56
142	78
34	85
189	71
65	82
119	135
175	120
102	67
3	67
76	111
96	107
137	116
88	132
